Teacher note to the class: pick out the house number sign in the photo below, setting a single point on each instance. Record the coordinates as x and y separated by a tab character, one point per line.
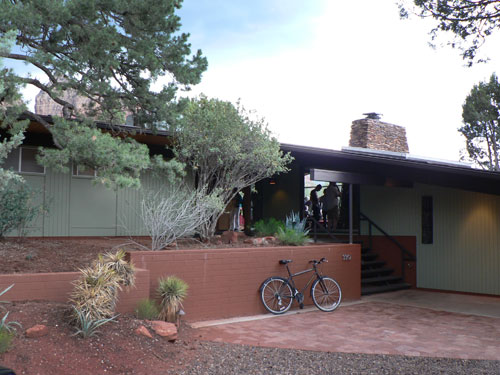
346	257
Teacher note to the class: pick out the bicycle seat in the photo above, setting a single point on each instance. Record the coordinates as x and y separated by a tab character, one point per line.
285	261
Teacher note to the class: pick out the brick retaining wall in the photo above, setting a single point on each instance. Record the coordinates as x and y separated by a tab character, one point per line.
224	282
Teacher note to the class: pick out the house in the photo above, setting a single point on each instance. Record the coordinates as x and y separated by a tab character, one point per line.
441	219
445	214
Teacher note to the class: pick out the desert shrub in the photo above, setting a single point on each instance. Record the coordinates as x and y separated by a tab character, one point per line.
7	328
95	293
5	340
17	207
268	227
175	212
88	327
147	309
295	232
172	292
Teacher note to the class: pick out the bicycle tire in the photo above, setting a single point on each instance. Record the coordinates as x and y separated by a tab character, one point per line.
326	294
276	295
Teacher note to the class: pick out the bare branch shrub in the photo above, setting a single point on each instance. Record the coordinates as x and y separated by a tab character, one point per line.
174	212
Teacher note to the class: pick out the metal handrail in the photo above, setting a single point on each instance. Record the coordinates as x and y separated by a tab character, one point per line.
404	251
316	224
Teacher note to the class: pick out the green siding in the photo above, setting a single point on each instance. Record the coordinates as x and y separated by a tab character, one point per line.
465	253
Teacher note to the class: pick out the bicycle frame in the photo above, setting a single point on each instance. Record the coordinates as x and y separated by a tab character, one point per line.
316	275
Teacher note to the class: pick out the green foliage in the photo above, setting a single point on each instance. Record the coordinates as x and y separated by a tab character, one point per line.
172	291
268	227
469	22
5	340
147	309
95	293
295	232
7	328
118	162
481	118
17	207
118	56
289	236
228	148
86	326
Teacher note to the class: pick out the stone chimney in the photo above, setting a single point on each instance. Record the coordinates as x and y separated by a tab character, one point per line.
377	135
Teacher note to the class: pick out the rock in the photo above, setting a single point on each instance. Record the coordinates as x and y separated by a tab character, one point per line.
257	241
38	330
141	330
164	329
229	236
270	239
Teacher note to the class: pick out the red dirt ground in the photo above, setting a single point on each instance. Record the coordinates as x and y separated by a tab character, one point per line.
117	350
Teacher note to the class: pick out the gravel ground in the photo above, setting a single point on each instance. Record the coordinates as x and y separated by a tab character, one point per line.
225	359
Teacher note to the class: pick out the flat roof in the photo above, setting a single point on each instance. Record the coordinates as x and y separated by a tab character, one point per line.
399	167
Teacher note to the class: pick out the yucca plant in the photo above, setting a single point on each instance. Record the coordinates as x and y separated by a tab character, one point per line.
5	291
147	309
294	223
117	263
86	326
96	292
172	292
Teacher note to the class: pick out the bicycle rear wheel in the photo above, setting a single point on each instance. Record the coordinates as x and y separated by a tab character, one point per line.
276	295
326	294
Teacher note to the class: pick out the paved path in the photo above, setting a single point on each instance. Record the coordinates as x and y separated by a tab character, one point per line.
373	327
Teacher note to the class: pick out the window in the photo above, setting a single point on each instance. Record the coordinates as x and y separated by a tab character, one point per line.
81	171
427	220
23	160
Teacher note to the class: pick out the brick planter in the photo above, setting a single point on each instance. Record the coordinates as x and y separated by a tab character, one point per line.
225	282
222	282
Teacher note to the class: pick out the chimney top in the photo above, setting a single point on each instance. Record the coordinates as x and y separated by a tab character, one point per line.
374	134
373	115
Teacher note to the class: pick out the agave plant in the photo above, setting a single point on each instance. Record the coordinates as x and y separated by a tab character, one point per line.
86	326
294	223
172	292
8	326
5	291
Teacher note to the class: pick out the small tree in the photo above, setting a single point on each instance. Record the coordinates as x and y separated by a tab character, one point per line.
227	149
115	55
481	117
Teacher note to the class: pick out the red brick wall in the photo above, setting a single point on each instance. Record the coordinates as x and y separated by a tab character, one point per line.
225	282
57	287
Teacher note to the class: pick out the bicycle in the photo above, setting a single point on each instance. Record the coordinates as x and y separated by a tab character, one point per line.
277	293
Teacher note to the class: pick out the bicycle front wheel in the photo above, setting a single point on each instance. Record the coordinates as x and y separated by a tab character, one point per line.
326	294
276	295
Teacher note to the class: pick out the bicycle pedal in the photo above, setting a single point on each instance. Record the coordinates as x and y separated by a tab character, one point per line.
301	306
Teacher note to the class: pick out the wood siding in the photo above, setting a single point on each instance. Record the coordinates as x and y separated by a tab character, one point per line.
465	253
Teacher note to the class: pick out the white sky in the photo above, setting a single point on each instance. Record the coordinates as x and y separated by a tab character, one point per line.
311	68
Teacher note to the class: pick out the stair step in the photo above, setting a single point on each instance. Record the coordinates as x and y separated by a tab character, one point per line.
384	288
380	279
372	263
377	271
369	256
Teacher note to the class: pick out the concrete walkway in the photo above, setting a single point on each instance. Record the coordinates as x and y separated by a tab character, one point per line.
413	323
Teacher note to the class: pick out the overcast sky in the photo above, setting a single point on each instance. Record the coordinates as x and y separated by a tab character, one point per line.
312	67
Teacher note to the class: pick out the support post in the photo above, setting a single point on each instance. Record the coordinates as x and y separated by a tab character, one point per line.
350	213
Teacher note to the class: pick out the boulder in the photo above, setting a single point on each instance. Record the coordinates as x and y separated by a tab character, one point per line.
38	330
164	329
